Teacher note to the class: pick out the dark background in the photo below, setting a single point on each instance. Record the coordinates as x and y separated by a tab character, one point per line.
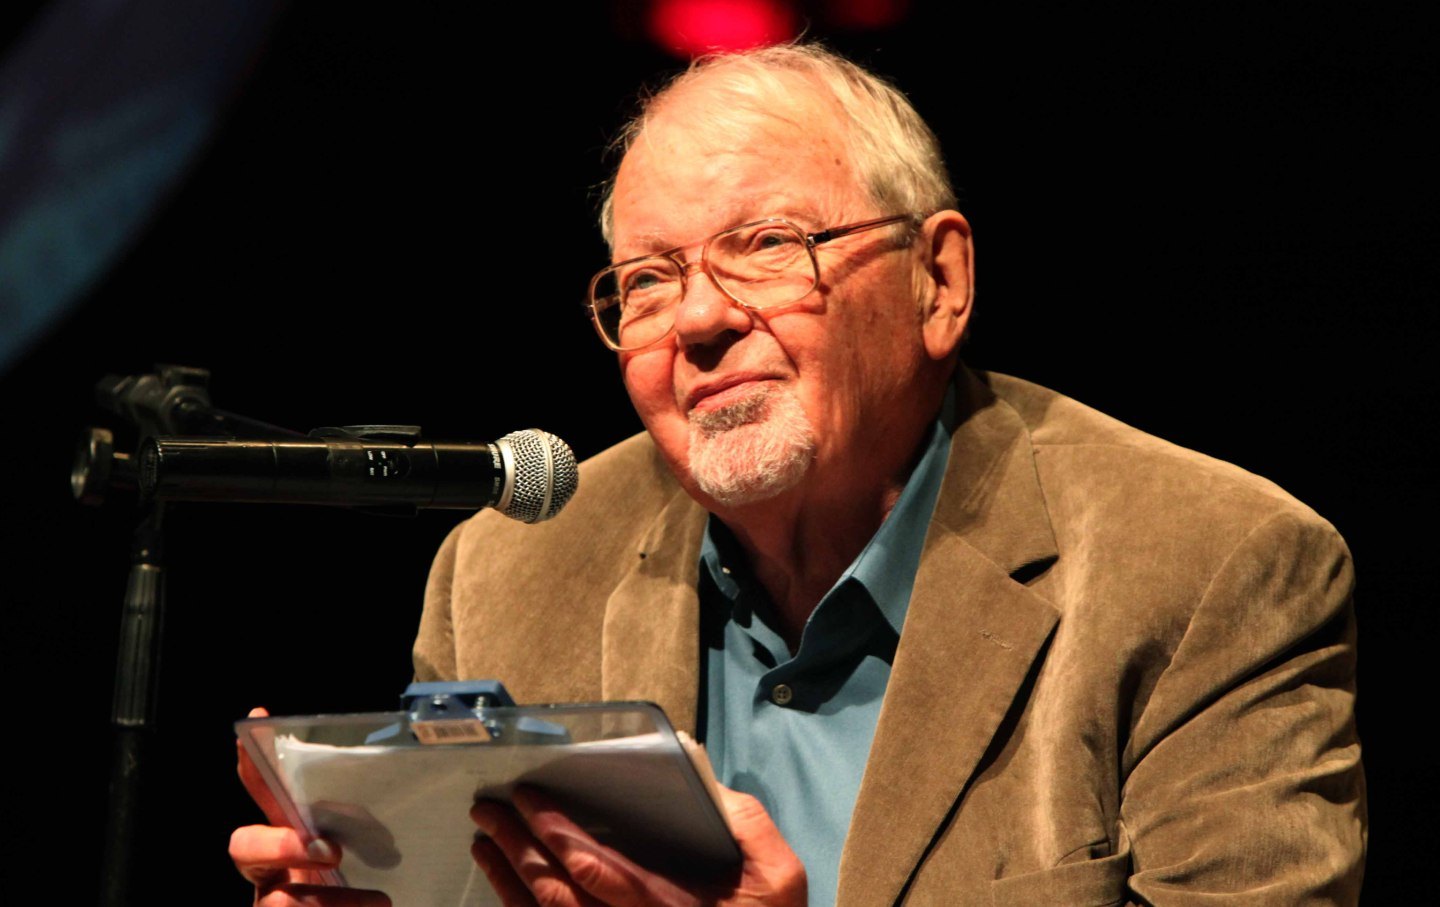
1217	226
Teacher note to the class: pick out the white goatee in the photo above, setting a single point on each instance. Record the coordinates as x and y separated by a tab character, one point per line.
752	449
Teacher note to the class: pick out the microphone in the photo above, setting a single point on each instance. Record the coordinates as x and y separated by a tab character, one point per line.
526	475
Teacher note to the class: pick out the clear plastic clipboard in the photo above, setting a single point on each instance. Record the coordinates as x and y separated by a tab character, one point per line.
399	808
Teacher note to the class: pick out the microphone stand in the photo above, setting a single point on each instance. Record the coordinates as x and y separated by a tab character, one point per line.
175	400
132	714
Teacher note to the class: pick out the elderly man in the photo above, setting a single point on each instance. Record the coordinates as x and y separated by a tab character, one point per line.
957	638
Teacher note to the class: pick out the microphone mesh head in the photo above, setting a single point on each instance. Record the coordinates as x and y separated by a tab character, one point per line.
545	475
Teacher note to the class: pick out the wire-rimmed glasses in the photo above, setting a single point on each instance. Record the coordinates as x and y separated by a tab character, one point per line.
759	265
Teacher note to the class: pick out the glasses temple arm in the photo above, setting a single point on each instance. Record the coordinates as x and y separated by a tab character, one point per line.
837	232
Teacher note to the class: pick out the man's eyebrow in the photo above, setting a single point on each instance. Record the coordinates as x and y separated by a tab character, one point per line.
737	213
803	214
654	241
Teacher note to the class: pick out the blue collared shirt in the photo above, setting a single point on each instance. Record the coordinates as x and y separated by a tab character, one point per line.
795	731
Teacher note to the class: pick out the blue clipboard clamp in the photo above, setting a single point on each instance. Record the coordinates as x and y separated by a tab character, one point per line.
463	711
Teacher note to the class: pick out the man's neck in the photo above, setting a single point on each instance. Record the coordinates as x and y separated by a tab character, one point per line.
801	542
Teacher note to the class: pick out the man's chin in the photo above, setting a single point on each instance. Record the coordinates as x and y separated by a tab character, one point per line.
752	450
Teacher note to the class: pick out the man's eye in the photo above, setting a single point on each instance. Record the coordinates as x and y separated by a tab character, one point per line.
648	290
641	281
773	239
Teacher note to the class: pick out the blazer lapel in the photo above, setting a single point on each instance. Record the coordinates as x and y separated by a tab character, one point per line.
969	618
651	638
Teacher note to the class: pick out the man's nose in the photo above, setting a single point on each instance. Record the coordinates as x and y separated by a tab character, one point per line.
705	314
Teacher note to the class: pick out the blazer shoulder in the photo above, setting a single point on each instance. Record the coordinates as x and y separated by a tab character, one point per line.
512	600
1103	458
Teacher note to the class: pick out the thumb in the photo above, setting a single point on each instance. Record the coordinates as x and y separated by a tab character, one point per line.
751	824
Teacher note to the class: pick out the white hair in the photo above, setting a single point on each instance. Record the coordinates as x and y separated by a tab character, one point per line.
893	151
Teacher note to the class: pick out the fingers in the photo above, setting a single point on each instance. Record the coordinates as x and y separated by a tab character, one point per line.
535	854
599	870
279	863
770	870
502	876
319	896
265	855
751	824
526	873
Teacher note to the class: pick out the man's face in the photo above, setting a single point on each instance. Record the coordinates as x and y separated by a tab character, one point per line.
746	406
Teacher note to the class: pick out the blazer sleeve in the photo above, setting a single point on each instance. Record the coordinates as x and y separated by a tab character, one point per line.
1245	782
434	651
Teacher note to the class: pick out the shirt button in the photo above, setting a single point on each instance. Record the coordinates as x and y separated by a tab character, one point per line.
781	694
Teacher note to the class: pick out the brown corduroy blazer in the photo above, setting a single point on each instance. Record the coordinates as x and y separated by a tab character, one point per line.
1126	674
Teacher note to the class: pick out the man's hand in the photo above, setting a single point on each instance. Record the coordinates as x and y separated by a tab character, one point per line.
541	857
282	865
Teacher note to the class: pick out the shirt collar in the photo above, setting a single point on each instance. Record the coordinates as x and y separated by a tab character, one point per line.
887	565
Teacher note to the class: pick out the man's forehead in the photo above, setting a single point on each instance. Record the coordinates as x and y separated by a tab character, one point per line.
671	191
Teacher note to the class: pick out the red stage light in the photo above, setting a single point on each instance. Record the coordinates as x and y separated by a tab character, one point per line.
866	14
693	27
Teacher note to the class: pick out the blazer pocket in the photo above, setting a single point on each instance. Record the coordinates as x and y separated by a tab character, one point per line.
1090	883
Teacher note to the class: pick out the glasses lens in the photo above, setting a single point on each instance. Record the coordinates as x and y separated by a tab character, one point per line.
759	265
635	302
763	265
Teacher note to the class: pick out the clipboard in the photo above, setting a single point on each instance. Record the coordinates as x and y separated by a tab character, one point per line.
394	789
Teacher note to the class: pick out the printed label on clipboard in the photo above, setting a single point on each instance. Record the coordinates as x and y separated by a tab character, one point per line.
451	730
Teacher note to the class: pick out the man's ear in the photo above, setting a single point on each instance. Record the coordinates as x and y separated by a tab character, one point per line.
948	256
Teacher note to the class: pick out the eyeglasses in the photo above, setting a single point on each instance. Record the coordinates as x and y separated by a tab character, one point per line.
759	265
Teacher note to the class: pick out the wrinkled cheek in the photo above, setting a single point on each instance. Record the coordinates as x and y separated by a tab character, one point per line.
649	380
829	406
847	409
